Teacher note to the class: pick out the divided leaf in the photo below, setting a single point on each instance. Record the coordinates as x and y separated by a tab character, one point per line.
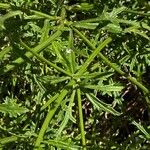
105	88
142	129
100	105
12	108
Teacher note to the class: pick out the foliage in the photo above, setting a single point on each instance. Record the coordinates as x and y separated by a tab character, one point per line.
74	74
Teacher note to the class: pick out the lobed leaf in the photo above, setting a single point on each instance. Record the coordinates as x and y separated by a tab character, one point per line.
100	105
12	108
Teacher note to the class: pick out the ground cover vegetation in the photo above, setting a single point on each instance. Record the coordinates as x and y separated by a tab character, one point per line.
74	74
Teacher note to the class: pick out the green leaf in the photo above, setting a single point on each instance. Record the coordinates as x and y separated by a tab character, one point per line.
52	79
71	54
94	53
68	115
37	49
42	59
86	6
62	55
117	11
142	129
4	6
95	75
7	16
43	15
100	105
136	31
4	51
51	113
45	31
113	28
81	7
105	88
49	101
8	139
62	144
86	25
12	108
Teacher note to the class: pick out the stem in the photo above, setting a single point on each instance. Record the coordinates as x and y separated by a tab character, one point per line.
81	119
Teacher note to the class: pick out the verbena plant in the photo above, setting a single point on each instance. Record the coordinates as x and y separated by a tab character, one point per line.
74	74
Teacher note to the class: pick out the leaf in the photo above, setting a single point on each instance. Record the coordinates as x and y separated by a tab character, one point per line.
63	124
71	54
136	31
113	28
68	115
86	6
86	25
51	113
38	48
61	56
81	7
42	59
71	105
95	75
105	88
52	79
4	51
117	11
4	5
12	108
7	16
94	53
100	105
62	144
49	101
8	139
142	129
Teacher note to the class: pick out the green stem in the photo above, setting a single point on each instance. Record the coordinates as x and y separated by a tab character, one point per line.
134	81
81	119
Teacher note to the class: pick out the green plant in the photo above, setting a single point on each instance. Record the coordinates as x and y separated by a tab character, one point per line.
74	75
